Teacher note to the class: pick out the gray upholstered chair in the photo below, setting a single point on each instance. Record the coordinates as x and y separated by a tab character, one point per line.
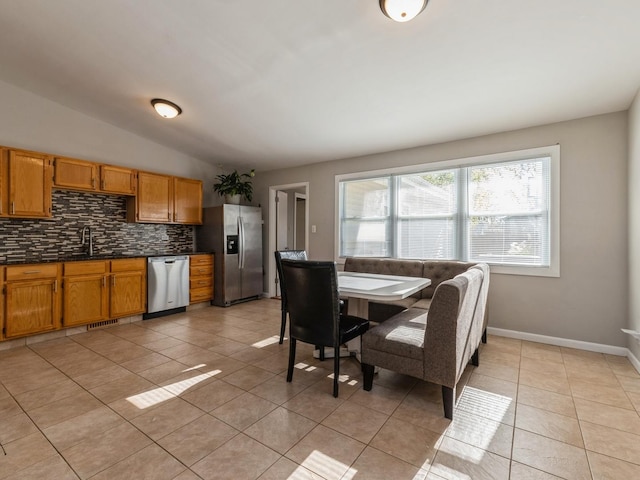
434	345
287	255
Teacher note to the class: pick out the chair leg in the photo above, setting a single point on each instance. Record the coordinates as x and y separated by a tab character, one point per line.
336	373
475	359
449	400
292	358
321	350
283	325
484	336
367	373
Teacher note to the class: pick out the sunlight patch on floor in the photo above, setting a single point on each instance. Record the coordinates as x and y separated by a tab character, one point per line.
487	404
150	398
179	387
266	342
326	466
305	367
162	394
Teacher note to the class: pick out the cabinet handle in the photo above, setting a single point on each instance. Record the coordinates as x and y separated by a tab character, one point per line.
55	286
93	183
104	282
113	281
202	282
103	184
31	272
13	208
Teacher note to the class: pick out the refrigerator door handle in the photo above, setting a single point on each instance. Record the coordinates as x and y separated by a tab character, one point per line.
241	242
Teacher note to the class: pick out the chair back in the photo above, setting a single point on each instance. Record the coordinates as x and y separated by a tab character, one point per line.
452	316
286	255
313	301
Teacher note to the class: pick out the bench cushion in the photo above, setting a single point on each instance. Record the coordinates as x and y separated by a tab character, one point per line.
402	335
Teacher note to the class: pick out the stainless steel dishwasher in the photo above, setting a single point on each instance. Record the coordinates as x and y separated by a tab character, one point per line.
167	285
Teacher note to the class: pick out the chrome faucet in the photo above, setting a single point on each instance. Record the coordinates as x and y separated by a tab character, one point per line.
86	229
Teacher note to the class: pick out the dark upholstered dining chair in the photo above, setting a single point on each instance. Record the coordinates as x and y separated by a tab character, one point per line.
285	255
314	311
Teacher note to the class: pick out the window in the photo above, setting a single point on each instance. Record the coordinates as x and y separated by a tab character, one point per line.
500	209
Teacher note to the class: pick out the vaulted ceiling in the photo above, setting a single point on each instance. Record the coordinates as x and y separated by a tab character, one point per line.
278	83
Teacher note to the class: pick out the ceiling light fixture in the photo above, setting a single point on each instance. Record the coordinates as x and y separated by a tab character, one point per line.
165	108
402	10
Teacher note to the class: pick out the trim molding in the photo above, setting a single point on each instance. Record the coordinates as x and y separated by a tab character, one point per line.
566	342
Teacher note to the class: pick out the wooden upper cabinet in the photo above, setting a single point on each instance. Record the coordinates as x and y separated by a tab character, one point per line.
117	180
154	201
25	184
187	201
75	174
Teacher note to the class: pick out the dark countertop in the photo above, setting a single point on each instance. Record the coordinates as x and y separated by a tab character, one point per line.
85	257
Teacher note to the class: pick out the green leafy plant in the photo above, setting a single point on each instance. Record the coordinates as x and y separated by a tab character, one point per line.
235	183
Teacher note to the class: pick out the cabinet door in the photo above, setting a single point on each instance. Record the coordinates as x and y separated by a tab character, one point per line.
31	307
200	278
154	201
2	325
117	180
75	174
29	184
85	300
128	295
187	201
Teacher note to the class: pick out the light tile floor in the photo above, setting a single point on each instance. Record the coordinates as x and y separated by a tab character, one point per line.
203	395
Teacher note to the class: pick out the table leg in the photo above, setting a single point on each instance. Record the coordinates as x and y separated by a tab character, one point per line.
358	307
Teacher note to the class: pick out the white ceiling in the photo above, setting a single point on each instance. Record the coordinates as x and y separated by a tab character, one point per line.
271	84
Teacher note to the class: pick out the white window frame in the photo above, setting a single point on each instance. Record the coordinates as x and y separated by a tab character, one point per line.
551	151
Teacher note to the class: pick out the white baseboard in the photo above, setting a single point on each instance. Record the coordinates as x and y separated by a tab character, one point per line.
565	342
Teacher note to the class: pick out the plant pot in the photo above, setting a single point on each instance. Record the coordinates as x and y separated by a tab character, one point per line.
232	199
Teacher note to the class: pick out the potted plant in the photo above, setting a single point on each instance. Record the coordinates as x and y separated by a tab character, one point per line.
235	185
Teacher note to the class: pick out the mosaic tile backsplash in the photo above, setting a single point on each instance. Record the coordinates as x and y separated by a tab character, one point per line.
59	238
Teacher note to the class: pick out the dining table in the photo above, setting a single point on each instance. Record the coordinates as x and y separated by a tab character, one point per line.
359	288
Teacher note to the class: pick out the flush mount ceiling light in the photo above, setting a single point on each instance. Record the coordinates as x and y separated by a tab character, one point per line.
165	108
402	10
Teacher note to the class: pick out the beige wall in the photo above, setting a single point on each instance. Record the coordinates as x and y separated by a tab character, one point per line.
32	122
589	302
634	222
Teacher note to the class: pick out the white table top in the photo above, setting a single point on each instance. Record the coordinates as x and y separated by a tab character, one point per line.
384	288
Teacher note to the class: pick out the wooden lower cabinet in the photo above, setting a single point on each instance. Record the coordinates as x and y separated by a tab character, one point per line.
200	278
32	299
85	293
128	287
1	303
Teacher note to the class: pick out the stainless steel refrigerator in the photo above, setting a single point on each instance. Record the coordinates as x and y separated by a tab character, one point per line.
234	234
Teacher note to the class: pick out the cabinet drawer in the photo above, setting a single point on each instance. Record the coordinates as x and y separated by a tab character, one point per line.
198	260
128	264
200	282
85	268
200	270
30	272
200	295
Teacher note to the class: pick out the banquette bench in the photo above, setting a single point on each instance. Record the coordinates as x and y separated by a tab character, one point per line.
433	334
436	270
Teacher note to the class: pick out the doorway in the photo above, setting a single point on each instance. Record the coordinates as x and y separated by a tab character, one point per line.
288	224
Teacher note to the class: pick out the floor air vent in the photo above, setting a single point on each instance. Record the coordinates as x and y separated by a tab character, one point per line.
103	324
